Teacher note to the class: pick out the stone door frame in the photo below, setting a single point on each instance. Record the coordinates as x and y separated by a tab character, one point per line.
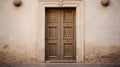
79	5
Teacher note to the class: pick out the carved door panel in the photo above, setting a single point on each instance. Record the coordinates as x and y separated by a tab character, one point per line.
60	34
68	34
52	34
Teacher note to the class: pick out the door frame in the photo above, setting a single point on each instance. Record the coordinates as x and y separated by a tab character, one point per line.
79	5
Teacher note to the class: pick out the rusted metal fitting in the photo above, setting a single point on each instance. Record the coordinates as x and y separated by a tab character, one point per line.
105	2
17	3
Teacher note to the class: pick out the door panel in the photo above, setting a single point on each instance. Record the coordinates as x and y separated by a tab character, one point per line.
60	34
68	34
52	34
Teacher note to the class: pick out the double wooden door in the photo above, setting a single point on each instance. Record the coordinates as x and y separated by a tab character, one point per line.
60	34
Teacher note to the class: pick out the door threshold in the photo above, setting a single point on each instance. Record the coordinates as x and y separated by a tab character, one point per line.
60	61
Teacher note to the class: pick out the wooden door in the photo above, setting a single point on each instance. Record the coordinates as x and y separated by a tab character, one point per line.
60	34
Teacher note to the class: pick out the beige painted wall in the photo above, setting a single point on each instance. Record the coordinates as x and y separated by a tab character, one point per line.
102	32
20	30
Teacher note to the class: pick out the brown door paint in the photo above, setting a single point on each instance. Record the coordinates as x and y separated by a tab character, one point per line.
60	34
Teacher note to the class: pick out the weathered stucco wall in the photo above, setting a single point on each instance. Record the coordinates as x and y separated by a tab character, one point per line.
102	32
18	31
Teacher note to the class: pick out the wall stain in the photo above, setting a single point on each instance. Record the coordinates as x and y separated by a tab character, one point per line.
6	46
102	54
